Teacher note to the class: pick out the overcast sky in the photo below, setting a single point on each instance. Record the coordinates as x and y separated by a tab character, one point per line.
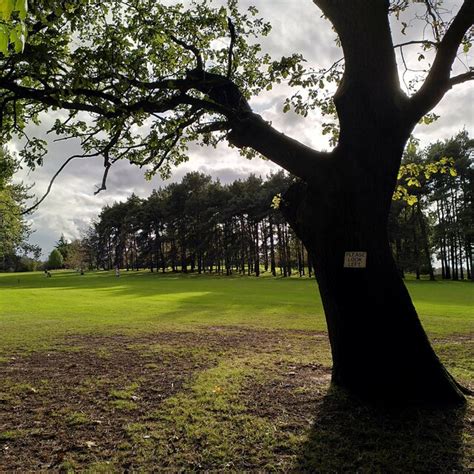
297	27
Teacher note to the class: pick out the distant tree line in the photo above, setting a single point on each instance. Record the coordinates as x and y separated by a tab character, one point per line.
199	225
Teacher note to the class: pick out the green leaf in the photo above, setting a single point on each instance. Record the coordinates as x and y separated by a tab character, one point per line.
70	7
21	7
276	201
17	39
411	200
13	36
411	148
413	182
4	34
6	9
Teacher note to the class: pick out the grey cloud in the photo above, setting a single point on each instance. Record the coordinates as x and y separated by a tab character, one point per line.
456	112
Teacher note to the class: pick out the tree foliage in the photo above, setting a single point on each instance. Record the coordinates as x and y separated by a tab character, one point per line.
452	200
55	260
435	219
154	77
13	30
138	68
63	246
415	173
14	230
77	256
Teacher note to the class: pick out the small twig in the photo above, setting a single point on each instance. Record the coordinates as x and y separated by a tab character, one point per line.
66	122
163	158
431	13
423	42
50	185
174	136
105	151
231	47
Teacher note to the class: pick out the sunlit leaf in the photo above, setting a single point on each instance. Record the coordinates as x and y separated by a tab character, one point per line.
21	7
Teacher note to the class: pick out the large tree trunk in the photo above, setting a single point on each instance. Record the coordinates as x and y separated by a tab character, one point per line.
380	350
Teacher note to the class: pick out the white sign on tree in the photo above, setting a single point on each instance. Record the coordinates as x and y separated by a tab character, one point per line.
355	259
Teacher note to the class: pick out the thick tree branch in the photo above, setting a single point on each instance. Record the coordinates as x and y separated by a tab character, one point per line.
219	126
53	98
438	81
220	95
356	31
164	84
302	161
49	97
369	95
459	79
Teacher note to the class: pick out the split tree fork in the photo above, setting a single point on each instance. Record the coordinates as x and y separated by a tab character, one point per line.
380	350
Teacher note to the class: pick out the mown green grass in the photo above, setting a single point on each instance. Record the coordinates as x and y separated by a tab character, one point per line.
248	407
36	311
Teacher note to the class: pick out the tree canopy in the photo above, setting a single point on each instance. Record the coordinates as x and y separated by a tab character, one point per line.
12	26
55	259
139	79
14	230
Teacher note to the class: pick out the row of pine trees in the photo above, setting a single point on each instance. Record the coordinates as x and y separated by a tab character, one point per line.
200	225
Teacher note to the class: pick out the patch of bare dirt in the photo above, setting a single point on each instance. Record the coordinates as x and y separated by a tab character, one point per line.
289	397
78	400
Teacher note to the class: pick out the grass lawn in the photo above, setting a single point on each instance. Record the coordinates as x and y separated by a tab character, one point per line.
188	372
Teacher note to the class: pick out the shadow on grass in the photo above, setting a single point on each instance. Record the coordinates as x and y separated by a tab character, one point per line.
349	436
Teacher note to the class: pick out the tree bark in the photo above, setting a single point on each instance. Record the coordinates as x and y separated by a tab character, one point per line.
416	252
380	350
